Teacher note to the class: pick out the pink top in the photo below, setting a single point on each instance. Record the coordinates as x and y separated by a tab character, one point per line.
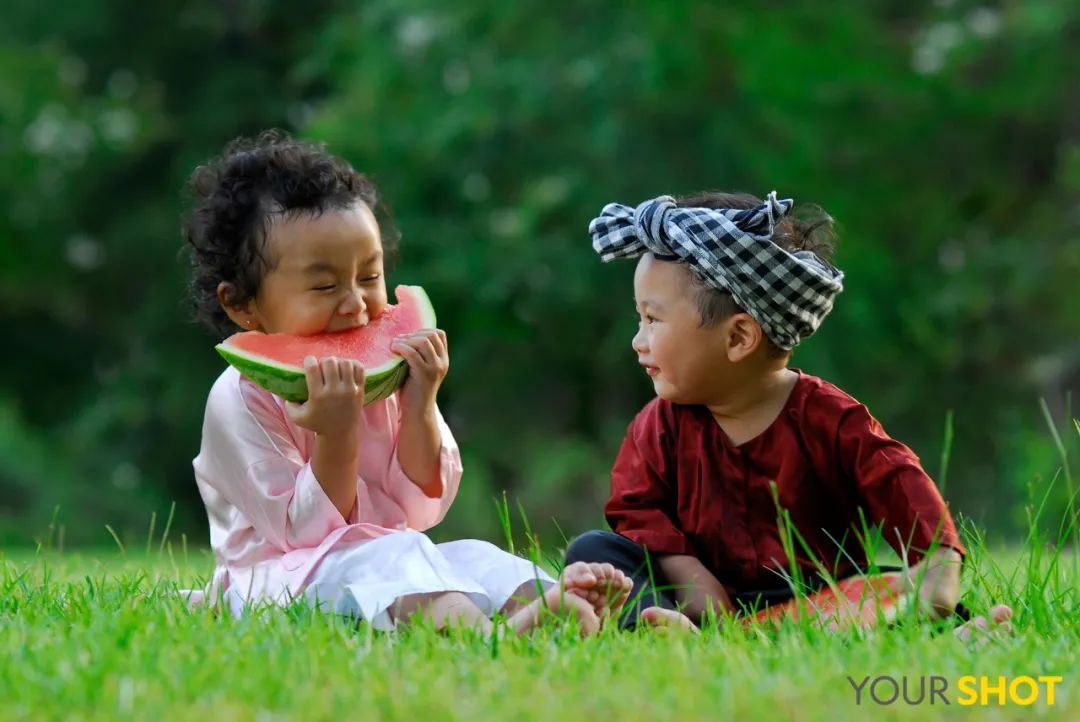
270	520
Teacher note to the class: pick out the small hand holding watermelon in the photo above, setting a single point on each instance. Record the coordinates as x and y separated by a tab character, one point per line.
335	396
275	361
428	357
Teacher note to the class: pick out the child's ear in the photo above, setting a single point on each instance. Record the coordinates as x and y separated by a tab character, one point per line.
744	336
242	316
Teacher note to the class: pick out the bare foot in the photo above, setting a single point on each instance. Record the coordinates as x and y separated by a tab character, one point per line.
601	585
980	629
559	600
667	620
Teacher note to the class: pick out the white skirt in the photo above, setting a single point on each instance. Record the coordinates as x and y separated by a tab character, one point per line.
364	580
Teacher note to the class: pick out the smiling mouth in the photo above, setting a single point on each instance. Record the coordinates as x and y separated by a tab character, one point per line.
651	370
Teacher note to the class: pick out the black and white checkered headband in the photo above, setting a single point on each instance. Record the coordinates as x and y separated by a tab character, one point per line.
788	293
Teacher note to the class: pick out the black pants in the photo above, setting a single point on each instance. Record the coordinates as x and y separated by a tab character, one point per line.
651	587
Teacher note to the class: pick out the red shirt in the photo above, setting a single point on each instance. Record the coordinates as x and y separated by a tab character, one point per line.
680	487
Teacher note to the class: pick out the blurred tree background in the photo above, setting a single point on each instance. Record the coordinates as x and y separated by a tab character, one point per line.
944	136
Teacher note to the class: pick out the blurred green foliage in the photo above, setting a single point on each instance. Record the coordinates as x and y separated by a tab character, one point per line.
944	136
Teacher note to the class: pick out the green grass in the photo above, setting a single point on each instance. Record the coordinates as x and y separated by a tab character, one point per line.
103	636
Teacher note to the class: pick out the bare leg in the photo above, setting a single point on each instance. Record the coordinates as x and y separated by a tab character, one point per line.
563	601
522	597
602	586
557	603
580	592
443	609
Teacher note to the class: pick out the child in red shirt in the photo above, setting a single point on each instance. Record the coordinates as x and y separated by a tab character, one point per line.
725	287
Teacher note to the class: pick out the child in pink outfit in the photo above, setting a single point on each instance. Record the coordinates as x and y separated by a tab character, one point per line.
326	501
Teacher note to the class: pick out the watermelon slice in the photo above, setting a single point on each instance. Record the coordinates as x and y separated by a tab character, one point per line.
855	601
275	361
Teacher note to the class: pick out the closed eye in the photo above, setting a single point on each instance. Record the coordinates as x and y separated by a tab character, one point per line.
329	287
370	279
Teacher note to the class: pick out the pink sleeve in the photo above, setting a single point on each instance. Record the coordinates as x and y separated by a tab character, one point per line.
421	511
250	457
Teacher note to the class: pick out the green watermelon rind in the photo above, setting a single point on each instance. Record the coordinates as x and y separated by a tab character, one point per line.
291	385
286	382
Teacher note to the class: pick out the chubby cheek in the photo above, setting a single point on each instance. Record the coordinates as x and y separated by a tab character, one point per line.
661	353
670	389
303	316
678	388
668	363
376	303
308	321
684	375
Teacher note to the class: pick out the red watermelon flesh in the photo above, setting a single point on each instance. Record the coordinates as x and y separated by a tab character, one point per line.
275	361
856	601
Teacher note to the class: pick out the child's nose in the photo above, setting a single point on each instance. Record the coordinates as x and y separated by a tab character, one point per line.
639	343
354	304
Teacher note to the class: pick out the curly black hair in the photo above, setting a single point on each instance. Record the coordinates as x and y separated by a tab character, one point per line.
235	196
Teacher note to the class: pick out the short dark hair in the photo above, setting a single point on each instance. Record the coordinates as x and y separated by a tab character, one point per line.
807	228
235	196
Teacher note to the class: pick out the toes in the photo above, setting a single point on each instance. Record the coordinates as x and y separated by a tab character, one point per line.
607	571
600	584
666	619
575	569
578	574
1001	613
980	629
652	615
